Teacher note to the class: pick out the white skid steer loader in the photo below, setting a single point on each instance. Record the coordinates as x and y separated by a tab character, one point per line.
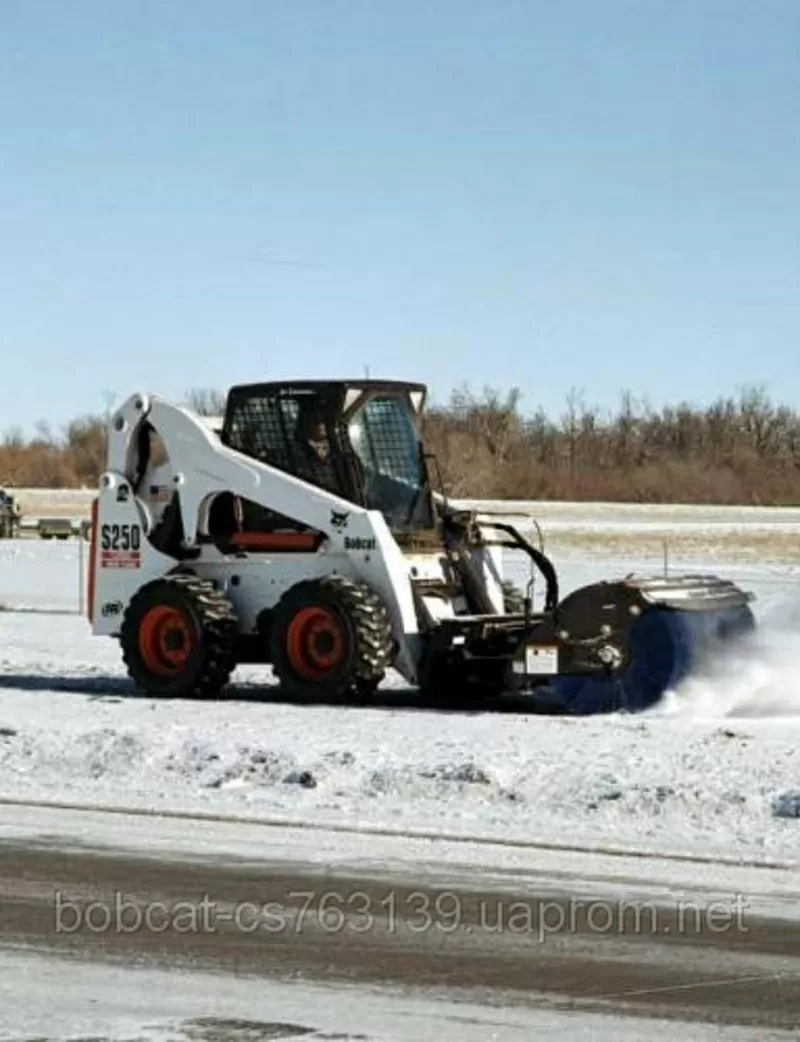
305	533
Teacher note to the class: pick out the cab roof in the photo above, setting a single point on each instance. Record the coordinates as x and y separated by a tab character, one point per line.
328	385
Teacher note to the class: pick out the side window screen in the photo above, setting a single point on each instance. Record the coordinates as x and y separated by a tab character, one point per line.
383	431
384	437
262	427
288	430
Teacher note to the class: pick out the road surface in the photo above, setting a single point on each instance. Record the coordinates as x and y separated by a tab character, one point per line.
532	948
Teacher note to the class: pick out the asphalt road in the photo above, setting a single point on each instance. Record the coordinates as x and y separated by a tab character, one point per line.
529	947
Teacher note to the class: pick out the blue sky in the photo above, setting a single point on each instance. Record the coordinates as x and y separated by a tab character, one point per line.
581	194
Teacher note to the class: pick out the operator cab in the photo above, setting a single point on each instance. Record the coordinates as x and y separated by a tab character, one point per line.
359	439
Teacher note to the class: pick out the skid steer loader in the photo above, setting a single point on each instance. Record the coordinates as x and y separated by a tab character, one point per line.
306	533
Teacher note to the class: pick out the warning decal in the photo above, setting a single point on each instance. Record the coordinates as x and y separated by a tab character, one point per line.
120	559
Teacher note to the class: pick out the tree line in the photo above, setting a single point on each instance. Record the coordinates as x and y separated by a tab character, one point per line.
743	450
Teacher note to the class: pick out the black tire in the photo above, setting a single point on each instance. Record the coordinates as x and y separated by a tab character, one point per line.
331	637
178	638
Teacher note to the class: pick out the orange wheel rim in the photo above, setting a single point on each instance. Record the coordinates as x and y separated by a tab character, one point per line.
166	640
314	643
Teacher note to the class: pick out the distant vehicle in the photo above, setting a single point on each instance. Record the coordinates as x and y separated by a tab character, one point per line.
10	516
54	528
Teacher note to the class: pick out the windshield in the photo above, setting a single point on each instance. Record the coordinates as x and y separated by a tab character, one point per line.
384	438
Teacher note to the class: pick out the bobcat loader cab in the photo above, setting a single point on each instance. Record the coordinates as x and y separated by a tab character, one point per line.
304	532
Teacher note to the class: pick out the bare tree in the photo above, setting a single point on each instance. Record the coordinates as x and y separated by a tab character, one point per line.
735	450
207	401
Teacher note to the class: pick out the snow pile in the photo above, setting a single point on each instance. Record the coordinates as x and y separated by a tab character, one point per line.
596	782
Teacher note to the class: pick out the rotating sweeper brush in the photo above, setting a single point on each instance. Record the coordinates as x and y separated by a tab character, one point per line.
667	630
301	530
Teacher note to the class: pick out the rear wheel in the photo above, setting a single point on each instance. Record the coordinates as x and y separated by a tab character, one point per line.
331	637
178	638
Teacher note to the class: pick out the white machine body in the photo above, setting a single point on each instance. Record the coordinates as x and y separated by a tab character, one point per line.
356	543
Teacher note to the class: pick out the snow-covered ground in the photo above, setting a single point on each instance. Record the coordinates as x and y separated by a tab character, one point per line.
716	769
42	574
685	779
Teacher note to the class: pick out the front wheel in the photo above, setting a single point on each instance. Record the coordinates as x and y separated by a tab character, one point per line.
331	637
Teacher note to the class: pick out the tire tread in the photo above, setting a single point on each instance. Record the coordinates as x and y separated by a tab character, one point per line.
372	629
218	626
